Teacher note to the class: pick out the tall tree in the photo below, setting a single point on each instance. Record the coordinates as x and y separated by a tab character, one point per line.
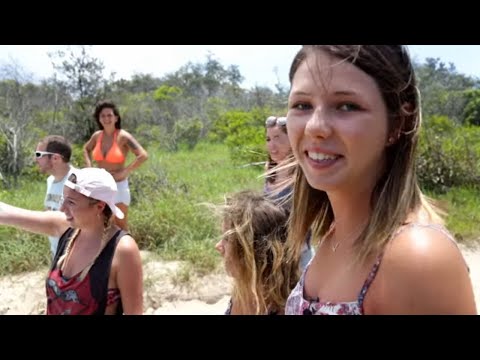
82	75
17	95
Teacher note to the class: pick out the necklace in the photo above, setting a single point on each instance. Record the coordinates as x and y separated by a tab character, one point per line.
334	247
330	232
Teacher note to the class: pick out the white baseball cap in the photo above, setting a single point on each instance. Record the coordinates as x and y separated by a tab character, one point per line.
97	184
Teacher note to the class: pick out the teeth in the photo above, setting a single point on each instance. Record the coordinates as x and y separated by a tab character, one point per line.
320	156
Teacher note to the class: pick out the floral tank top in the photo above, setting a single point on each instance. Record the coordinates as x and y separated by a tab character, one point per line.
298	305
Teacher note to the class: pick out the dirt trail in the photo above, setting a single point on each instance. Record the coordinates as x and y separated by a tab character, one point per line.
165	291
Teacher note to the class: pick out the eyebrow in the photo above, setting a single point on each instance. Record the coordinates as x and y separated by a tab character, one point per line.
339	92
345	92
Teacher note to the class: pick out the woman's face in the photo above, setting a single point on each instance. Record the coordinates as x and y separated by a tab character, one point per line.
107	118
278	145
79	209
225	248
337	124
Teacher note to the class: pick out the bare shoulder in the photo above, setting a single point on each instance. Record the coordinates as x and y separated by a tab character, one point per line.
93	139
422	247
124	135
421	268
127	249
96	134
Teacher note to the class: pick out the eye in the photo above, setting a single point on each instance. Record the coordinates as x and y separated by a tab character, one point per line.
301	106
348	107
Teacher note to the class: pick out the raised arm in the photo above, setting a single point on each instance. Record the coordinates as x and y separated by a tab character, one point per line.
137	149
129	275
88	148
424	272
52	223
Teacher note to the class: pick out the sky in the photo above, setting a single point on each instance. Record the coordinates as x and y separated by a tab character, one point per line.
261	65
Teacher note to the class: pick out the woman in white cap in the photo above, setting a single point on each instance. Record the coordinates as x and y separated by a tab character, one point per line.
97	268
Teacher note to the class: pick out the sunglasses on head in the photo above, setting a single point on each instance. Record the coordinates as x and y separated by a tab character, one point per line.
40	154
72	178
273	120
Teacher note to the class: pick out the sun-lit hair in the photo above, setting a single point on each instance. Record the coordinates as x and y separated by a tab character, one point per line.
396	193
257	232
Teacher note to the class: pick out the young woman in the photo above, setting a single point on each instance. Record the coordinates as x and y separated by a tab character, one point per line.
353	124
109	148
97	268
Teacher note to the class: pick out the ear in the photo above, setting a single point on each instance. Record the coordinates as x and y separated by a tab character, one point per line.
393	138
100	206
406	111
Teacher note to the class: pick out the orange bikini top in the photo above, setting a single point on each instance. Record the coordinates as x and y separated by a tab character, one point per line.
114	154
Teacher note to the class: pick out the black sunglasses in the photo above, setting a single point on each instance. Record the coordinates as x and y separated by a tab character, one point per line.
273	120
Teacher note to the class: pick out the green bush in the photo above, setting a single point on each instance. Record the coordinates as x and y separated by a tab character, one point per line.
449	155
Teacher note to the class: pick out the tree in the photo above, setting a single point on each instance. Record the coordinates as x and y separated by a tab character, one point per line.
83	78
471	114
17	96
443	89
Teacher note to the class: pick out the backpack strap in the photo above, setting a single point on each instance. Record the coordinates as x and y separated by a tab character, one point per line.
103	266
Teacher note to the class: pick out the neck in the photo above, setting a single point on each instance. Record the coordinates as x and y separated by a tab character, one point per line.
95	231
109	131
351	213
62	171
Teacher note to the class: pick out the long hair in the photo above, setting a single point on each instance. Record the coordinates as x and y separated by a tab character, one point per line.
257	232
396	193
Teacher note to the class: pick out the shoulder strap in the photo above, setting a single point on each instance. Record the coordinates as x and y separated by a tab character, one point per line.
102	270
369	280
62	244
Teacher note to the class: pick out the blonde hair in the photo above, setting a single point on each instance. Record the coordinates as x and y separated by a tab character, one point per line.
396	193
257	232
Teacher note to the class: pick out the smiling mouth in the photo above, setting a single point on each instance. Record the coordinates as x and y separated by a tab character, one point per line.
321	157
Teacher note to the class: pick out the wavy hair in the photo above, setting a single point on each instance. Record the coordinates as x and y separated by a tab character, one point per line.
257	231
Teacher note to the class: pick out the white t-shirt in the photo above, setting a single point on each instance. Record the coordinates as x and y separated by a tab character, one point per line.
52	201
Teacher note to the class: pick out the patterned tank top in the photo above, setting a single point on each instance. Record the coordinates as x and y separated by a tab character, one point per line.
87	296
298	305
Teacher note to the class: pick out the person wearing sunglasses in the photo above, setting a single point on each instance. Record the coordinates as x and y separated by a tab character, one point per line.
97	269
279	176
278	148
109	147
52	156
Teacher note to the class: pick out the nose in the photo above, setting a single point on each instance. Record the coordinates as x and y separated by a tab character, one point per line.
319	124
219	247
271	146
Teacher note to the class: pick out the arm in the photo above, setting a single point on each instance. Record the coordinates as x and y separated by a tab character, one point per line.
137	149
52	223
129	276
88	148
424	272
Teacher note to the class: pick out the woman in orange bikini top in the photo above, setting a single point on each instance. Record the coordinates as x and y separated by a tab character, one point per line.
109	148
